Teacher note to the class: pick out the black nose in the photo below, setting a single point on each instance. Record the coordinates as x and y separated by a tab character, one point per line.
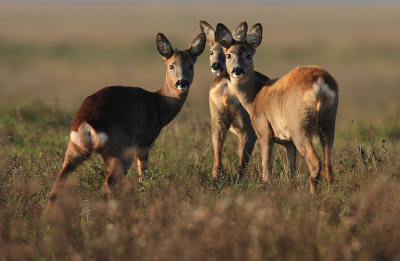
216	66
183	84
238	71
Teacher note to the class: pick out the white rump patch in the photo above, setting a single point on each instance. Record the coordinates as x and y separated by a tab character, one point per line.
322	88
320	93
87	138
102	138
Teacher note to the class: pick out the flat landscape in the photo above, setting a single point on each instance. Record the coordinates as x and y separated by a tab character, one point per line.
53	55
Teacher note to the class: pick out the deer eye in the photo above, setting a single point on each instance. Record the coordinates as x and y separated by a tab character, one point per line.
248	57
171	67
228	56
211	53
191	67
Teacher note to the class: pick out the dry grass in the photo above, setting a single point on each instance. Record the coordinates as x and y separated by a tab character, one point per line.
179	213
53	55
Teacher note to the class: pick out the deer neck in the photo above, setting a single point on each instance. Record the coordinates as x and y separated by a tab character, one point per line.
246	89
169	102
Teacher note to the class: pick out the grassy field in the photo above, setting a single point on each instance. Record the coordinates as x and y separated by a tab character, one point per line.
54	55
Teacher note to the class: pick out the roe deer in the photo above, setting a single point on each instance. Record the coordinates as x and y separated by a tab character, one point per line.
289	110
226	110
122	122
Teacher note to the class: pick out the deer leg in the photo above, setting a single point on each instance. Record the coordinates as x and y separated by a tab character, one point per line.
73	157
314	165
306	149
219	128
117	167
326	136
327	162
291	156
267	145
142	155
246	142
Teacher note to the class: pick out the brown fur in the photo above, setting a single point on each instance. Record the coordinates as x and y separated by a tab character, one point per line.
226	111
122	122
290	110
305	76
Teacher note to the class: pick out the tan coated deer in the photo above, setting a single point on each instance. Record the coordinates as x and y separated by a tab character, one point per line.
290	110
122	122
226	110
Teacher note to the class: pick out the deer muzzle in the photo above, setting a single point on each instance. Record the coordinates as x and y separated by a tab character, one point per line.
238	72
216	67
182	85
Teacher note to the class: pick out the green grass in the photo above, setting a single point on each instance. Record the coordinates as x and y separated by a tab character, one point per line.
179	212
52	56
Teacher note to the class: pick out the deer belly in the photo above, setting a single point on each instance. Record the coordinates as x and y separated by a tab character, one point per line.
281	131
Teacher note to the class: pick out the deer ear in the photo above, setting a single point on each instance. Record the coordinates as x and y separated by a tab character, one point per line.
240	32
164	47
224	36
209	31
197	46
254	35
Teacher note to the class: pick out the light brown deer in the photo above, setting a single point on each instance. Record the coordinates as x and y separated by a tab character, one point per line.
226	110
122	122
290	110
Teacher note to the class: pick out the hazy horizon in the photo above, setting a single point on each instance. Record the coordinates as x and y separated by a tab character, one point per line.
197	1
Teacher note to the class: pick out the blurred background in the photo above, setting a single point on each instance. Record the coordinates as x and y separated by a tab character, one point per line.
61	52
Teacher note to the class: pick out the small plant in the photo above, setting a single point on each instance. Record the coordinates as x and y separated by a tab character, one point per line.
178	212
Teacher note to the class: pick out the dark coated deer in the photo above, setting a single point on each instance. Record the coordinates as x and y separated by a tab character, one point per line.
122	122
